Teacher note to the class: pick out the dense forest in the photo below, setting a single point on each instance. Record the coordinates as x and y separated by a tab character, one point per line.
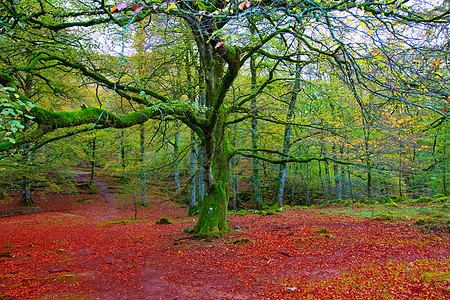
232	104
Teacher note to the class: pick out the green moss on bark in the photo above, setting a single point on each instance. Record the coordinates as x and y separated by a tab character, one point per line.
212	219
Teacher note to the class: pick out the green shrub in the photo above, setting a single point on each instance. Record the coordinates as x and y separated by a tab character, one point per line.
391	204
383	217
347	203
421	222
239	242
322	230
164	221
423	200
440	200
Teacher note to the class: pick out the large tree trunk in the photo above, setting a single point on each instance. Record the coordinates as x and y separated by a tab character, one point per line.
212	220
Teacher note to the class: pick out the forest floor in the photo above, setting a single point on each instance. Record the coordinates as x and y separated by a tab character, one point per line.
88	246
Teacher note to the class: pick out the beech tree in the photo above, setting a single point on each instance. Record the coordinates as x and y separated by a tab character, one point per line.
390	48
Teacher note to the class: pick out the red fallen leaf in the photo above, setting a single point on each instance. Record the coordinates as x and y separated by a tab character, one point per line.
445	109
134	5
138	9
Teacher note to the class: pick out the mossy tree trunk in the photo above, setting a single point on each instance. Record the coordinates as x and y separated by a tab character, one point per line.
219	65
212	220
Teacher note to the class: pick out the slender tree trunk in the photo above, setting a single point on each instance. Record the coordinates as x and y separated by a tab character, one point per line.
336	176
350	185
28	156
122	156
234	175
322	186
192	167
294	183
191	95
26	182
343	185
287	133
235	183
93	144
200	161
329	189
200	176
176	171
400	190
143	175
328	178
367	153
256	178
444	162
307	180
26	199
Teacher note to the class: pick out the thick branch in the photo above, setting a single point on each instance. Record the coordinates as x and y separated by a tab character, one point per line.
287	159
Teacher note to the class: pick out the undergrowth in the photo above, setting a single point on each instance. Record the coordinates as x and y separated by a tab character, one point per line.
430	213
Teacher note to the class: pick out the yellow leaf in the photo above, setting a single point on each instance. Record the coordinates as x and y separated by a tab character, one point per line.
241	6
170	7
113	8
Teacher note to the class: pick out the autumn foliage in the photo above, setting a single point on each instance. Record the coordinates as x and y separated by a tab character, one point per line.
82	246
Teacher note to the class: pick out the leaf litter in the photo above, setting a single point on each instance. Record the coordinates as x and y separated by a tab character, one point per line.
94	249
